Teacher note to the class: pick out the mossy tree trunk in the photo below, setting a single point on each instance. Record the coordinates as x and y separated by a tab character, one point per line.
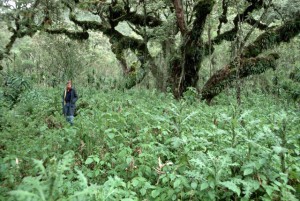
184	68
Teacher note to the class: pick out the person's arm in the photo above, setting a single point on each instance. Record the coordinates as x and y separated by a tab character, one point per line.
75	98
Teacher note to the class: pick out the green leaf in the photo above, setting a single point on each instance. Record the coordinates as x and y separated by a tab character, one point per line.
111	135
96	159
248	171
232	186
277	183
278	149
89	161
82	179
177	182
212	195
172	176
143	191
135	182
25	194
170	192
194	185
155	193
204	186
269	190
43	128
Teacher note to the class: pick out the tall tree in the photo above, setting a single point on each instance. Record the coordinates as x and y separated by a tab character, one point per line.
177	25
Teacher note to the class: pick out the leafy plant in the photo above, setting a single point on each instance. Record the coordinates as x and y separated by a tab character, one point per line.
142	144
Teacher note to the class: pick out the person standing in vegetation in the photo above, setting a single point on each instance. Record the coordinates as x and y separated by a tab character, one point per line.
68	101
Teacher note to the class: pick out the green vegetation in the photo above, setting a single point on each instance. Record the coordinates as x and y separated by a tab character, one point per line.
171	41
178	100
145	145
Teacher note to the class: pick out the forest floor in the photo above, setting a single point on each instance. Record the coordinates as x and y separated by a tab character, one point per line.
145	145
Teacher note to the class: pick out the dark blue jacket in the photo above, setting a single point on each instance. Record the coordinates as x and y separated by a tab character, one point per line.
69	108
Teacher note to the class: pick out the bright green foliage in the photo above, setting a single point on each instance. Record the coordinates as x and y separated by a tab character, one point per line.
14	86
52	183
292	85
144	145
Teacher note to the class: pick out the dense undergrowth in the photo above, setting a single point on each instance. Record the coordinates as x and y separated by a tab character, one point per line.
144	145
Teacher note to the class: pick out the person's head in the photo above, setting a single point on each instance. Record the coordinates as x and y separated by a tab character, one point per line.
69	84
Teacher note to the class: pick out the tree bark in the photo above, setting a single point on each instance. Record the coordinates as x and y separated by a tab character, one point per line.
273	37
265	41
224	77
185	68
180	16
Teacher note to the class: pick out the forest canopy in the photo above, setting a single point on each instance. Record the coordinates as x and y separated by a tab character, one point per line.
173	41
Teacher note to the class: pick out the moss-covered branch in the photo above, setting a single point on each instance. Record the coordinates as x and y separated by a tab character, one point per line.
202	10
227	36
255	5
18	33
88	25
256	23
30	31
23	27
119	13
120	42
243	17
124	42
141	20
251	65
116	12
223	17
75	35
224	77
273	37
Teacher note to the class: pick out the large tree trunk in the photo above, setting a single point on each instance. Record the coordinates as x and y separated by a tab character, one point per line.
184	68
158	75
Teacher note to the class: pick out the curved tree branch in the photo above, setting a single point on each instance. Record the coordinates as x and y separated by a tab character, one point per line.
273	37
223	17
121	42
224	77
255	5
250	64
256	23
75	35
244	17
23	27
89	25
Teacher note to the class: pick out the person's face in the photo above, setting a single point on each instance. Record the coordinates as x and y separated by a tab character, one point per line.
69	85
